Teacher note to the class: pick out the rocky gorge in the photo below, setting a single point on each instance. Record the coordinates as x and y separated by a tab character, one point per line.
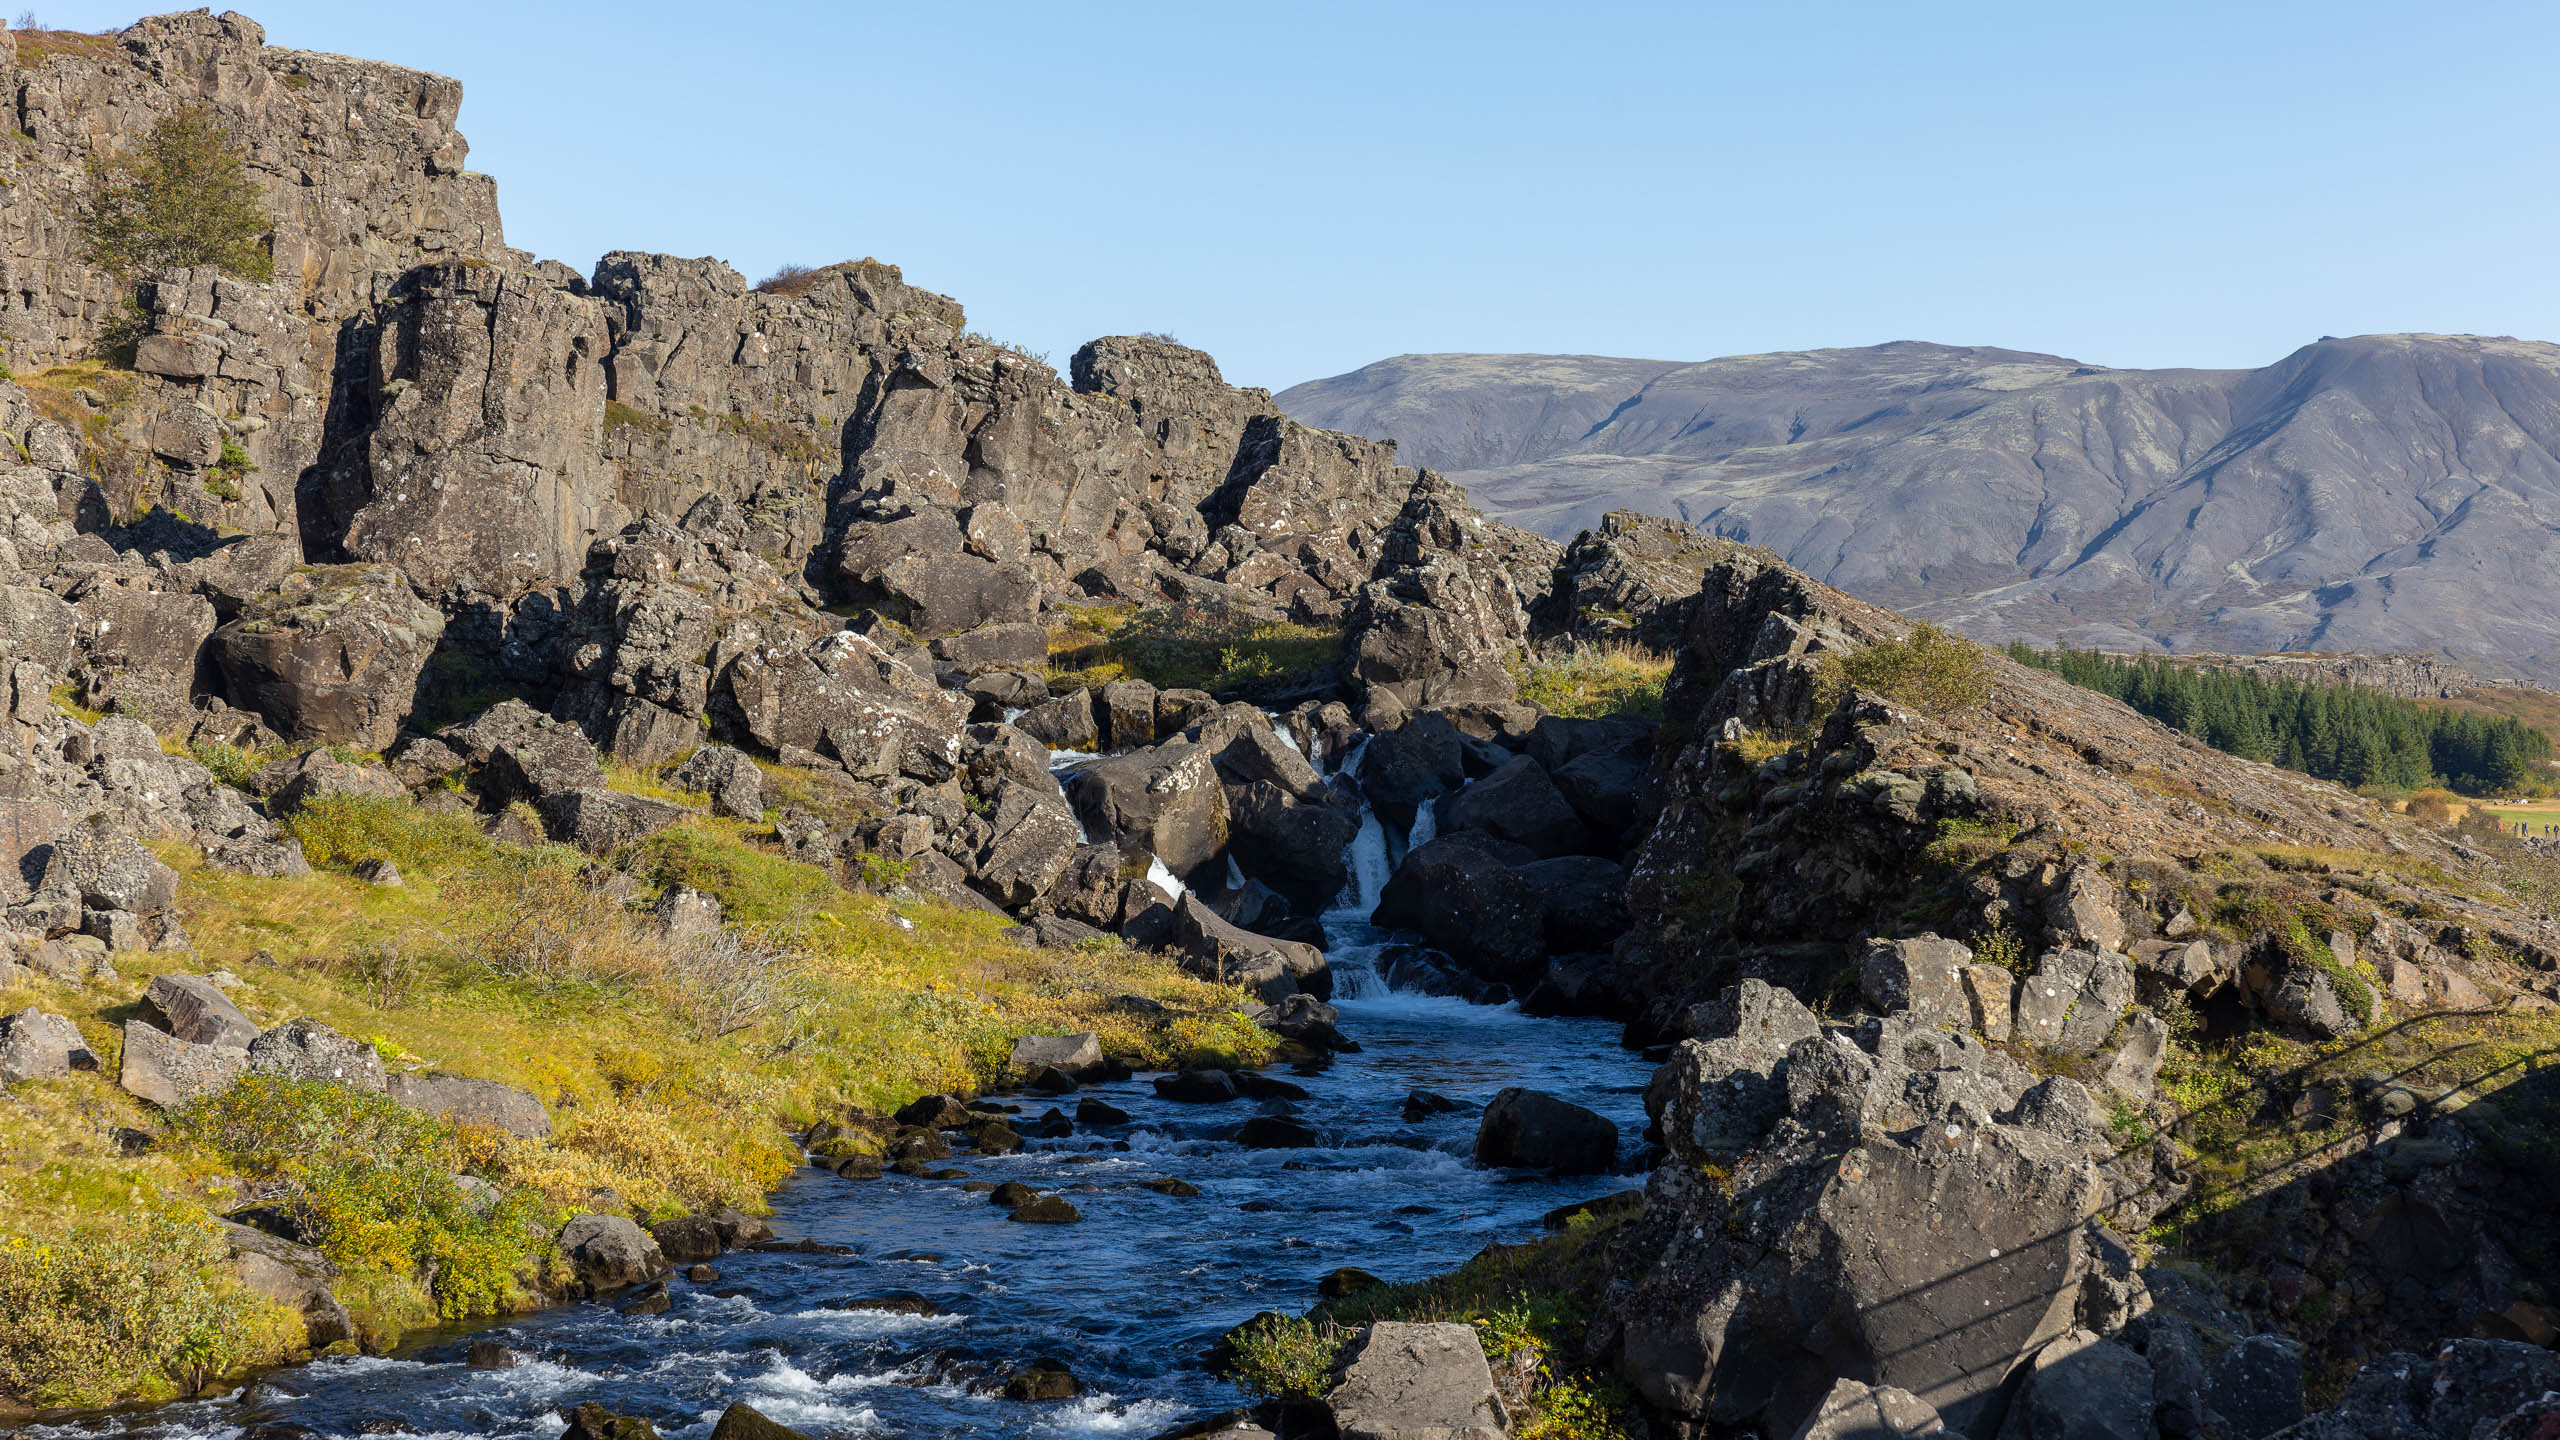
1995	1061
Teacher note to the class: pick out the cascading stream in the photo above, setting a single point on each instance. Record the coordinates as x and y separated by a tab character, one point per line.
1128	1298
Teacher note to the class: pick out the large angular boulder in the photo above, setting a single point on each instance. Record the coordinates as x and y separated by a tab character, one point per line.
1583	897
195	1010
523	754
1032	840
1272	969
601	822
1856	1410
35	1045
308	1050
109	870
2082	1387
467	1101
728	776
1915	1213
1079	1055
1518	803
1406	768
1470	905
1529	1129
1167	799
169	1072
334	655
1400	1381
2074	999
1922	978
292	783
1299	844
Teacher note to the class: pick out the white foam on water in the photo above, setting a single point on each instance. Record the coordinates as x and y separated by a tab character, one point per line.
1015	712
1235	873
1103	1414
1164	880
1280	732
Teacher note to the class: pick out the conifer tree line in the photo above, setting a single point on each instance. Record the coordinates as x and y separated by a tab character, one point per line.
2349	734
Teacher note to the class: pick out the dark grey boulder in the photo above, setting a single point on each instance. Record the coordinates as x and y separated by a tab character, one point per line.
728	776
1126	714
195	1010
1529	1129
1166	799
2081	1387
295	1276
601	822
1470	905
1198	1087
1403	768
334	654
1297	843
1602	789
293	783
1583	899
308	1050
468	1101
522	754
1520	804
1216	950
1275	1132
1065	722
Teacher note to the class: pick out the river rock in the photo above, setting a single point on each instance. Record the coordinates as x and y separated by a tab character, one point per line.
1166	799
1045	1210
1470	905
742	1421
609	1252
1094	1111
1042	1379
689	1238
1273	969
491	1355
1529	1129
294	1276
591	1421
1198	1087
1275	1132
1398	1381
168	1072
1408	767
1079	1055
308	1050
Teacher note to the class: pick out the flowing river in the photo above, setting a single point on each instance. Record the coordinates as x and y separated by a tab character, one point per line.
1128	1298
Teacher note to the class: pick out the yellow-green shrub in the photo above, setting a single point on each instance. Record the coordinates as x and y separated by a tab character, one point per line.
1931	670
138	1304
372	1182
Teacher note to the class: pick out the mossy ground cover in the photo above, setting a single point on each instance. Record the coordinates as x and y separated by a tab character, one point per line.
675	1072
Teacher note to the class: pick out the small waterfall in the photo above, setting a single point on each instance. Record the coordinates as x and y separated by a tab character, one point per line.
1426	825
1165	880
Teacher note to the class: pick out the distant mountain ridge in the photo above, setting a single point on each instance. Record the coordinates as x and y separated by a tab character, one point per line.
2382	493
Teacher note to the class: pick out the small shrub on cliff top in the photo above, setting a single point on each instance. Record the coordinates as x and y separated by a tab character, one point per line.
789	280
182	198
1930	670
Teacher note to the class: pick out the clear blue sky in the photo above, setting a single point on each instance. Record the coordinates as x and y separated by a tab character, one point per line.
1303	189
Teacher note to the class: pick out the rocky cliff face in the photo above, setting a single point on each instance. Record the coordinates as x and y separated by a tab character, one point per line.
2077	979
2374	493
